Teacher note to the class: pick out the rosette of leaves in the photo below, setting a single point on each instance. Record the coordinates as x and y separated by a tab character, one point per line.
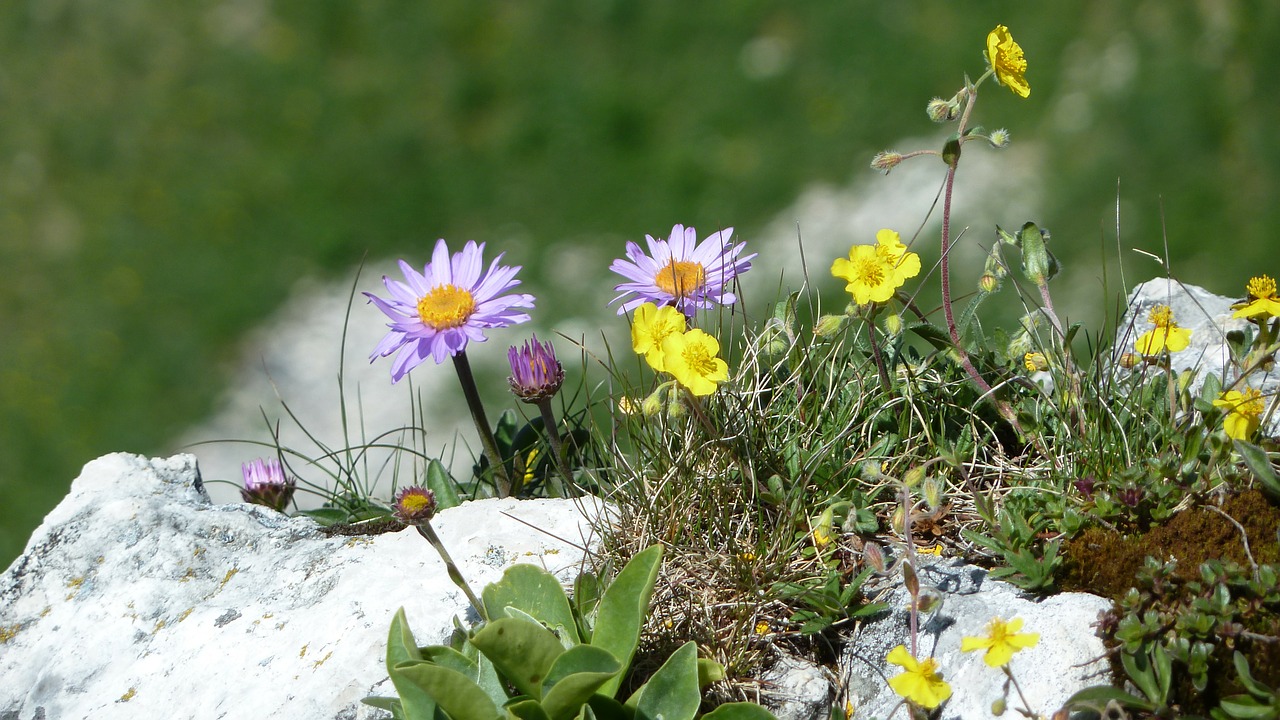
542	656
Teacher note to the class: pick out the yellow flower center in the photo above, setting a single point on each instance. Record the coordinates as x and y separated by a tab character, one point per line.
413	502
1261	288
681	278
446	306
1251	403
870	270
929	669
698	359
1161	316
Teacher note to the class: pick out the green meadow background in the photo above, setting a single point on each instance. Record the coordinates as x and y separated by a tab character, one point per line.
169	170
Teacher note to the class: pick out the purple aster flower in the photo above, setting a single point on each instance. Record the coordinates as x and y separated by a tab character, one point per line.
414	504
535	372
265	484
449	303
680	271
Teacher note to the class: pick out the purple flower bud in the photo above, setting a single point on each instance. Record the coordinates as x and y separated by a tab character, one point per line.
265	484
414	505
535	373
1085	486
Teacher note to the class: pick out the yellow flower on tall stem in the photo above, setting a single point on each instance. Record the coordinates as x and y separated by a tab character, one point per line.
1001	641
1262	303
1244	412
874	272
651	326
692	358
1007	61
1166	335
920	682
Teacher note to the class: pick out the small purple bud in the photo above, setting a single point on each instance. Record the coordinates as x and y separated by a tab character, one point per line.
414	505
1085	486
265	484
535	373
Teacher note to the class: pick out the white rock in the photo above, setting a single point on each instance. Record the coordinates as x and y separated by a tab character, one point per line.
137	598
1068	658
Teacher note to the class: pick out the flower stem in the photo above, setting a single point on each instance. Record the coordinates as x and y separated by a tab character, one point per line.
490	445
425	530
553	436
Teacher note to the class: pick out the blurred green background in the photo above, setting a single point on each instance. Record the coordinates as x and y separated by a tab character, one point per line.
169	170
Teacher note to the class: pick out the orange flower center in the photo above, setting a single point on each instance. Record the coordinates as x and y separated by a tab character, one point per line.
446	306
681	278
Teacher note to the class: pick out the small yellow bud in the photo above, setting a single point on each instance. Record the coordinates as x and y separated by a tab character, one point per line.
1035	361
913	476
652	405
932	491
998	707
1129	361
988	283
886	161
896	521
762	628
676	408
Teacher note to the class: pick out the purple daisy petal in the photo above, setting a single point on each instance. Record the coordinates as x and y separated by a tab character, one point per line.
462	301
708	268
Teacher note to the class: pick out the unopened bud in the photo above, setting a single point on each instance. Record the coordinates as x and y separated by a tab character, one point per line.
913	476
676	408
829	325
896	521
932	491
652	404
988	283
1035	361
893	323
999	706
1129	360
873	556
886	161
999	139
941	111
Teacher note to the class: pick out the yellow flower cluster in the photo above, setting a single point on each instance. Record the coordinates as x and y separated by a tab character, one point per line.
874	272
692	357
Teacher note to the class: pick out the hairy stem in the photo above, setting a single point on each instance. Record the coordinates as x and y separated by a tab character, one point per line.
487	441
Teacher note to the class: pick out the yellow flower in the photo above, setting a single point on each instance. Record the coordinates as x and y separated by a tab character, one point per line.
1166	335
693	360
1001	641
653	325
1006	59
762	628
1244	412
919	682
1262	302
1035	361
873	272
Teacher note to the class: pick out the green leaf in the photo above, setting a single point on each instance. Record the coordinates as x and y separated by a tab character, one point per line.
448	657
1244	707
535	591
459	696
1258	462
1097	697
739	711
586	596
574	678
442	484
1246	678
522	651
326	516
623	610
709	671
528	709
416	703
1139	669
672	693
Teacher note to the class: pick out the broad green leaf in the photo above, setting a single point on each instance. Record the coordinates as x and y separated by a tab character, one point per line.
574	678
402	648
1258	462
606	708
672	693
1097	697
1247	708
709	671
457	694
522	651
739	711
527	709
450	658
535	591
623	609
442	484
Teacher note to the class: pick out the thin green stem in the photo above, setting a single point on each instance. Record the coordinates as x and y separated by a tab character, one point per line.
553	436
425	530
487	441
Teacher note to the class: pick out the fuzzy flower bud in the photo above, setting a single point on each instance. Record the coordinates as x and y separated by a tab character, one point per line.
265	484
873	556
999	139
988	283
1035	361
893	323
1129	360
941	111
652	404
886	161
829	325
